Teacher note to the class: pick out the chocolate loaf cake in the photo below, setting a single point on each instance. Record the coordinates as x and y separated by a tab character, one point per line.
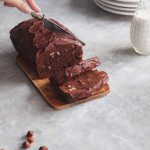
45	51
83	86
83	66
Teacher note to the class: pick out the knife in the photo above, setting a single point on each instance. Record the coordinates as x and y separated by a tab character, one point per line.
50	24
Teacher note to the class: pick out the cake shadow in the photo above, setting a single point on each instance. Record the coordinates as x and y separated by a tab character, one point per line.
89	8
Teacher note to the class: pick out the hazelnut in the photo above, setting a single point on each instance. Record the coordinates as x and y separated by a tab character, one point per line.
30	139
52	54
30	133
82	83
72	89
43	148
49	67
71	74
58	53
69	86
26	144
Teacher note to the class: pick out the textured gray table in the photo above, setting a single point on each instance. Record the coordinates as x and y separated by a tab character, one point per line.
120	121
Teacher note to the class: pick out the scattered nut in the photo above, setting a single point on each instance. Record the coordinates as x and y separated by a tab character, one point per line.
30	139
43	148
26	144
30	133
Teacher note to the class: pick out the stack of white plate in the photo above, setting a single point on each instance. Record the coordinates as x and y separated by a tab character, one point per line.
122	7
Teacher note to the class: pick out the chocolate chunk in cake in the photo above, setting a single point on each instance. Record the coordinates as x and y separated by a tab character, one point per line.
83	66
83	86
46	52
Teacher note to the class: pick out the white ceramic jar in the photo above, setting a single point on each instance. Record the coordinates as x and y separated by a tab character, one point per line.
140	28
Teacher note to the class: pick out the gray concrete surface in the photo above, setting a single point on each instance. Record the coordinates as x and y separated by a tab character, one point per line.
120	121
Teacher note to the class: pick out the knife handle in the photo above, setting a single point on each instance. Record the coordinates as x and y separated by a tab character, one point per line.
37	16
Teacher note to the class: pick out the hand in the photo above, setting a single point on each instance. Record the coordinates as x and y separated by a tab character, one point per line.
26	6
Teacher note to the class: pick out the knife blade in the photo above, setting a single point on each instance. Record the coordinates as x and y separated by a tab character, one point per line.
50	24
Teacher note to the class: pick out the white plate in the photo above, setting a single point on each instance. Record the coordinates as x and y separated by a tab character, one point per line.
119	3
130	1
116	7
127	13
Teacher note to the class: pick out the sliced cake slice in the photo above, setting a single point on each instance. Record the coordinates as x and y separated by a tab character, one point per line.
65	74
83	66
85	85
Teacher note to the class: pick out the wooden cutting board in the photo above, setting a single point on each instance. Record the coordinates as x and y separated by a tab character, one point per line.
49	93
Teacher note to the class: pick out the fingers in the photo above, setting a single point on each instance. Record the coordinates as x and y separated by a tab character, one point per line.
28	7
24	7
20	4
33	5
8	5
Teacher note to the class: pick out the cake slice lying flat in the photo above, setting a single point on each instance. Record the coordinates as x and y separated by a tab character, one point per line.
83	86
